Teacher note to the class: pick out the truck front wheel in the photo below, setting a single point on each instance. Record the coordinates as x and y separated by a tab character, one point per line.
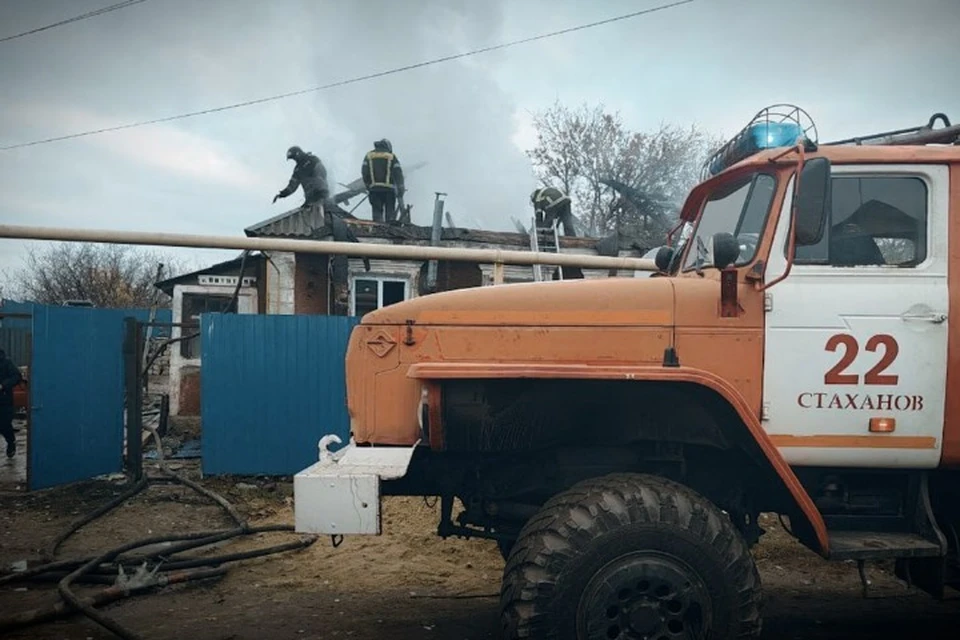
630	556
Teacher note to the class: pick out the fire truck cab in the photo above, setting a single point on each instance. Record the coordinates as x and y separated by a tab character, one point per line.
618	438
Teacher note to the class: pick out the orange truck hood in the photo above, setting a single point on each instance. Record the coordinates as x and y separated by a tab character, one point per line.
582	303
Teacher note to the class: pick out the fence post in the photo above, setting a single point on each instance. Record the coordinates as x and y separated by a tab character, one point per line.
132	359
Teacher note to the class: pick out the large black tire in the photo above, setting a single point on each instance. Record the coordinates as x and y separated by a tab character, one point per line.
630	556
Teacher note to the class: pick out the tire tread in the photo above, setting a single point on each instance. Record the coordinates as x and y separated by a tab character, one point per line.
570	520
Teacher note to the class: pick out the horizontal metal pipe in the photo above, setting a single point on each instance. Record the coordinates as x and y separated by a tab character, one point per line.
353	249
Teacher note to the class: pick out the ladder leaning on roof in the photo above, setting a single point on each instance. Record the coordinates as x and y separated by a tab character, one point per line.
549	239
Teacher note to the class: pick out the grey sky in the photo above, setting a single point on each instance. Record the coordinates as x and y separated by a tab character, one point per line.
854	65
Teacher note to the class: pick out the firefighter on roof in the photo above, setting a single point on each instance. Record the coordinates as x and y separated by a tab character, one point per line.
383	178
308	173
549	204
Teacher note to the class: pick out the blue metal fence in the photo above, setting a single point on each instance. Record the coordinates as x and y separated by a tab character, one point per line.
142	315
16	344
271	387
12	307
76	393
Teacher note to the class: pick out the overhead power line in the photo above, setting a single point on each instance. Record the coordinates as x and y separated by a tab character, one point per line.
82	16
354	80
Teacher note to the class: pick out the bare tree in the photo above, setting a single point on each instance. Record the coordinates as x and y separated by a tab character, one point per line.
619	180
561	135
107	275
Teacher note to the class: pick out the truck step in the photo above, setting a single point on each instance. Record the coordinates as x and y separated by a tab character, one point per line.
871	545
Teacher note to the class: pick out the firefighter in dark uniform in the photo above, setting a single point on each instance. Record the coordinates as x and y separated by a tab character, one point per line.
9	378
549	204
308	173
383	178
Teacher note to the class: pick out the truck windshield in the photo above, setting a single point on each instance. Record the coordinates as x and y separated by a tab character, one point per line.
740	208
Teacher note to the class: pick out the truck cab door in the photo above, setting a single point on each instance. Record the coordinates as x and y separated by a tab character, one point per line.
855	351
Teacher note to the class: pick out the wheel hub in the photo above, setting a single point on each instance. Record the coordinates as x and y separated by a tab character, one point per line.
644	595
644	618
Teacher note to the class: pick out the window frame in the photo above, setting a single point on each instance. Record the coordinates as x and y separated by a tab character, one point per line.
380	279
929	213
752	182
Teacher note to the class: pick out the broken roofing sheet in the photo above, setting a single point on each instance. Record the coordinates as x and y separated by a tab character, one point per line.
309	223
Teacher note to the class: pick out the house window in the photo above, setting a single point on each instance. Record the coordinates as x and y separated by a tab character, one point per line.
875	221
195	304
370	294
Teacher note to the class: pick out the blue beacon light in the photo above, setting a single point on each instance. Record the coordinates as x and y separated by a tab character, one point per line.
755	138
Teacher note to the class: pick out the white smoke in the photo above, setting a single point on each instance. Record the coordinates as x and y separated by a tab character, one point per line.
453	115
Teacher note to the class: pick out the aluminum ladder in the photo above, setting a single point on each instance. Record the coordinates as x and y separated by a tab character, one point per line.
547	239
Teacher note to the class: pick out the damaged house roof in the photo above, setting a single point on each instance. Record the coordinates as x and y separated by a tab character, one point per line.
308	223
297	223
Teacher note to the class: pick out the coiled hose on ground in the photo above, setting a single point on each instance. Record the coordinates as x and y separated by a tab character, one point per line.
109	567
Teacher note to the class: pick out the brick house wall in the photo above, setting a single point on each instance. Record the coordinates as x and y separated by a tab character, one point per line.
281	269
311	284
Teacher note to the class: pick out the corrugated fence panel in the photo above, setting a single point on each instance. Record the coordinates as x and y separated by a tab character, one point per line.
142	315
271	386
16	344
19	308
77	394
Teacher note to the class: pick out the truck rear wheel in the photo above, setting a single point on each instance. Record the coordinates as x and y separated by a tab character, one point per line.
630	556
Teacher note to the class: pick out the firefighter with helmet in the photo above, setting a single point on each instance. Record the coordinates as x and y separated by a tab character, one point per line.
383	177
549	204
308	173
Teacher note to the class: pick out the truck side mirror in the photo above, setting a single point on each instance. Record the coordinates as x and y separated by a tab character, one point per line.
812	201
663	258
726	250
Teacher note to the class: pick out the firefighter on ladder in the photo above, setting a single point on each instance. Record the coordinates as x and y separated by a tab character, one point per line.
383	177
549	204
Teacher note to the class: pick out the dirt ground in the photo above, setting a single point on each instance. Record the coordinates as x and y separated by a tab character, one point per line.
405	584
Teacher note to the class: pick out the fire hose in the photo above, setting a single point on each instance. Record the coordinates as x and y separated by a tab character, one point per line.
109	567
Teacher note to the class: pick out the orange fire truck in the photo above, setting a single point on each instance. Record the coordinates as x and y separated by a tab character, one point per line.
619	437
